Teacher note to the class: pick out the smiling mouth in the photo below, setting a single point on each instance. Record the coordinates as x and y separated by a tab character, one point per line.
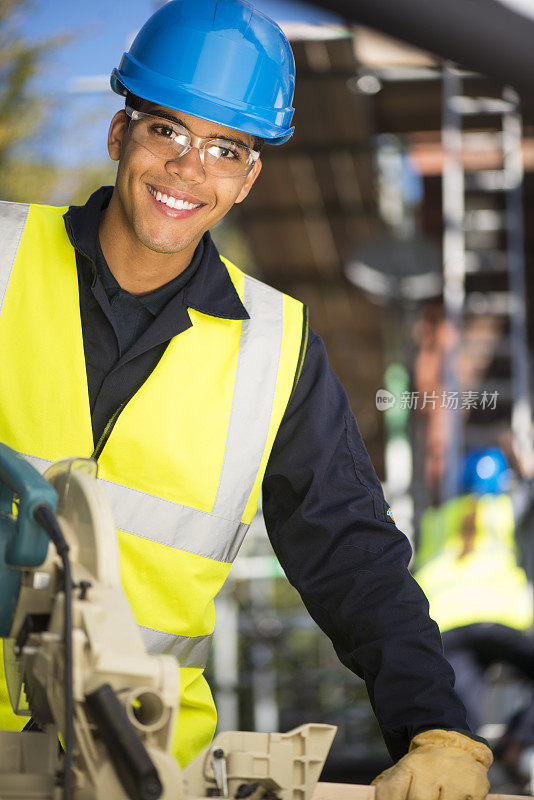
172	202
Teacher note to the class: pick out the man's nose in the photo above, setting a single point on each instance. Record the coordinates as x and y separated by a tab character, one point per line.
189	166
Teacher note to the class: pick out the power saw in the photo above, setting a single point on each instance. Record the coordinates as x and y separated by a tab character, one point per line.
101	710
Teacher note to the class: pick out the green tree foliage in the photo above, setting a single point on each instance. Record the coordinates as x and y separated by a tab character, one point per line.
22	112
27	117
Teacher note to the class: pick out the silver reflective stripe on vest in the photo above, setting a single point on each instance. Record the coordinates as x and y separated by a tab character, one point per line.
168	523
174	525
13	218
40	464
190	651
254	390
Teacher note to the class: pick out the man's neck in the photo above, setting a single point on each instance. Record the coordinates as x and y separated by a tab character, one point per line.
136	268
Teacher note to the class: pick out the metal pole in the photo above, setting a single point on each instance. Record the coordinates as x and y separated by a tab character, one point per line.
225	660
453	195
513	169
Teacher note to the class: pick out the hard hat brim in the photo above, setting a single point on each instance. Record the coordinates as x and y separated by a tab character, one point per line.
200	105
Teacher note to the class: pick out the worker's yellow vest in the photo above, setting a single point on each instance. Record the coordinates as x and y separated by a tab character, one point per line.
486	585
185	458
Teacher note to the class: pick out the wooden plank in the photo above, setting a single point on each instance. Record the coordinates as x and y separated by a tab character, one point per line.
343	791
352	791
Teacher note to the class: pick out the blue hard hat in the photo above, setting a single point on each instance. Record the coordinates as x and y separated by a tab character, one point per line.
220	60
486	471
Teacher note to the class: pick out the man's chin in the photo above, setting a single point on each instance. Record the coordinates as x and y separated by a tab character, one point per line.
163	246
164	250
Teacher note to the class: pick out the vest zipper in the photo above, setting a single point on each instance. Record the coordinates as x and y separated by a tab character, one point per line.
110	424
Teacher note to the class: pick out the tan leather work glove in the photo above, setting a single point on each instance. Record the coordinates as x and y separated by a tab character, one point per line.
440	765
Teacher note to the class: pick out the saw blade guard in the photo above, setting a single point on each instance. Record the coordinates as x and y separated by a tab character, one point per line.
85	517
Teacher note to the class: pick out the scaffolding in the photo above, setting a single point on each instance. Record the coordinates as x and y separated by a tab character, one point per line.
483	248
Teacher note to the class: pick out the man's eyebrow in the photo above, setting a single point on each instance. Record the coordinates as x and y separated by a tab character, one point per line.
172	118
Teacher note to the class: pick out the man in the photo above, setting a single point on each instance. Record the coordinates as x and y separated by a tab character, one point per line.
124	334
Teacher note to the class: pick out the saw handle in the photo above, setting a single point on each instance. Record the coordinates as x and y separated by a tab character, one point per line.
26	543
133	765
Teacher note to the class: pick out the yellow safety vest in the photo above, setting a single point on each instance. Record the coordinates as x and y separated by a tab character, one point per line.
486	585
184	459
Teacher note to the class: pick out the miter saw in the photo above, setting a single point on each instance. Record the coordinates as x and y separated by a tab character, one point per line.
102	709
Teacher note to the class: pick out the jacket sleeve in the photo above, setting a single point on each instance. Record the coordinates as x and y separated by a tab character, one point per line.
327	520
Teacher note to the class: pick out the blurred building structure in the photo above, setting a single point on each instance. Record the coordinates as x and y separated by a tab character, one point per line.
323	197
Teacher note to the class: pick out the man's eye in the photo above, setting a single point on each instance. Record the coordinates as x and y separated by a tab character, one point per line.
163	130
226	153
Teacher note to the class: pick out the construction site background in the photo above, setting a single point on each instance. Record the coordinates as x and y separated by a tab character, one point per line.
399	213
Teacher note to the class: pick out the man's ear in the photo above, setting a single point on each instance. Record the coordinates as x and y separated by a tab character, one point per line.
249	181
117	131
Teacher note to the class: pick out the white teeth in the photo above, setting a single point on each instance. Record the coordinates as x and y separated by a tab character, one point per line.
173	202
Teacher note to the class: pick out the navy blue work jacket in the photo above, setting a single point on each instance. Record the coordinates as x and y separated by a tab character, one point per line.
323	505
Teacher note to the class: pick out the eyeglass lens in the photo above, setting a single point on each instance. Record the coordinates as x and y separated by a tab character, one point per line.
169	141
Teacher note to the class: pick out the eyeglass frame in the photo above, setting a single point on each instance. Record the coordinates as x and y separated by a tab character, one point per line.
196	142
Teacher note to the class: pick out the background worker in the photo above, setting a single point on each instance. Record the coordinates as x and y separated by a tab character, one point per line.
479	595
124	334
467	564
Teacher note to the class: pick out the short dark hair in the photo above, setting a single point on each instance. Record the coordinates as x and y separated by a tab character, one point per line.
137	103
133	101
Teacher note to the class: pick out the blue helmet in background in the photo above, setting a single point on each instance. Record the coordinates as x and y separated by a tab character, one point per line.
486	471
220	60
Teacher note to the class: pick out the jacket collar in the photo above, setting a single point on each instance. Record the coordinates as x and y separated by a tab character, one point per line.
209	290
